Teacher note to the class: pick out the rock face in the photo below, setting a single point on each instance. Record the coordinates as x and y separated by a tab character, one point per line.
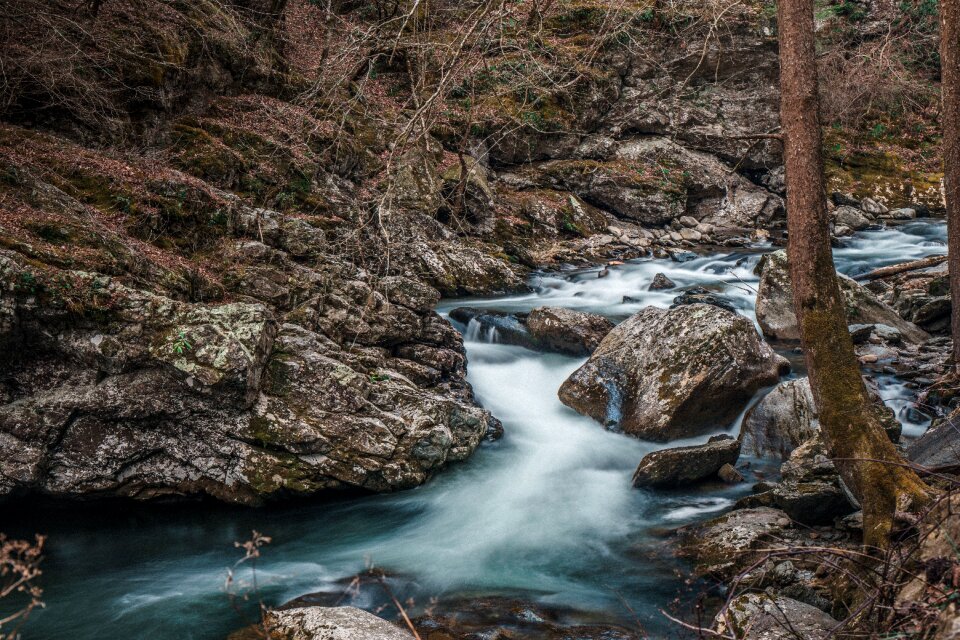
667	374
781	421
759	616
565	331
137	394
775	304
332	623
682	466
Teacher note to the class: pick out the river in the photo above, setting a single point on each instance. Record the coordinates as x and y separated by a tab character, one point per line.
546	514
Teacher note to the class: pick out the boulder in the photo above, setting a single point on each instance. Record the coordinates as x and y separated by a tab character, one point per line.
938	449
873	207
780	422
720	547
661	282
761	616
332	623
565	331
775	304
851	217
813	503
667	374
494	326
682	466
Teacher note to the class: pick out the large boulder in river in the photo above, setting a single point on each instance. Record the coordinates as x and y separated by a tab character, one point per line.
721	547
566	331
332	623
775	304
787	417
665	374
683	466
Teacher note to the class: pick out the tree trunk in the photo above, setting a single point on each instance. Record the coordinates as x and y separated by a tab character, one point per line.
950	75
866	459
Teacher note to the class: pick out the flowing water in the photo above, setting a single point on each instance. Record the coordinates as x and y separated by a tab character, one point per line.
546	514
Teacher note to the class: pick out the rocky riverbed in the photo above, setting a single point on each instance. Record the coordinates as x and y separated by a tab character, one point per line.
547	514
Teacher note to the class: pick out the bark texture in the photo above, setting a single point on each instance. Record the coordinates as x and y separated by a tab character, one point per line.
865	457
950	76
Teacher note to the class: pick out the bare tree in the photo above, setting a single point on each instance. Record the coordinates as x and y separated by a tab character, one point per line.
950	74
867	460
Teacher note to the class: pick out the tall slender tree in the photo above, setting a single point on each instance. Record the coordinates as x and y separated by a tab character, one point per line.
950	76
866	459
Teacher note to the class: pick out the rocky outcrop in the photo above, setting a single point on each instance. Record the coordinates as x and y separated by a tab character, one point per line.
681	466
760	616
667	374
331	623
118	391
775	304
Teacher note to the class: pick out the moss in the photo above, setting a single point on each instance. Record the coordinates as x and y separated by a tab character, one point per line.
274	472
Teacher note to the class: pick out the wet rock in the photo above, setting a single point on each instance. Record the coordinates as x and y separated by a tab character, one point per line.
939	448
721	546
661	282
729	474
667	374
760	616
699	295
502	618
781	421
851	218
775	304
566	331
683	466
497	326
683	256
332	623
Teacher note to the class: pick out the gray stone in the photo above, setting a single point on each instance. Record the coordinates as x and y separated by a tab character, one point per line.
782	420
720	547
729	474
566	331
852	218
871	206
661	282
667	374
332	623
939	448
775	304
683	466
760	616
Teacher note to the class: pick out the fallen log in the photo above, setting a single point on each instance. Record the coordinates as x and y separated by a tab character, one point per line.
894	269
